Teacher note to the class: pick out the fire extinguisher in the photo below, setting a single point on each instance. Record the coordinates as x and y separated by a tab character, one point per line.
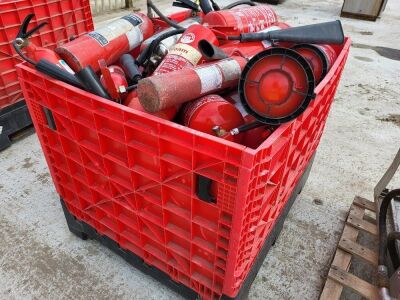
114	81
44	60
241	20
165	90
252	136
169	42
33	52
155	48
186	53
214	115
132	101
109	42
320	57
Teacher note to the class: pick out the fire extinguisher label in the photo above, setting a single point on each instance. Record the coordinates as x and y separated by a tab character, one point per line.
135	37
128	26
66	66
210	78
135	20
172	63
99	38
230	69
188	52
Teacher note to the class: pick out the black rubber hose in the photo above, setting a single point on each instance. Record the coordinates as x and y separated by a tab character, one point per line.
162	16
146	54
131	69
391	247
206	6
131	88
215	5
242	2
382	224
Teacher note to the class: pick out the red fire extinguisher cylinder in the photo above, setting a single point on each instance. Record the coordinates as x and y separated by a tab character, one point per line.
241	20
117	75
132	101
163	91
109	42
214	115
320	57
186	52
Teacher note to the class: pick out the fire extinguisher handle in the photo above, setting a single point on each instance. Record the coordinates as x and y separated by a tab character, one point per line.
23	31
203	189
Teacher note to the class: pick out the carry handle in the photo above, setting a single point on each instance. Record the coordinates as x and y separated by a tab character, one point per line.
203	189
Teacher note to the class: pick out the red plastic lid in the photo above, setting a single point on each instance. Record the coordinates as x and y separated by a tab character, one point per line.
276	85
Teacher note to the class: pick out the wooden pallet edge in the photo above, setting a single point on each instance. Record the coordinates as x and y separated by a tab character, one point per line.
348	248
356	284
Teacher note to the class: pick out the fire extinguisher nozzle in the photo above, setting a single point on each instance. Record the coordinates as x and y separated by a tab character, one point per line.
210	51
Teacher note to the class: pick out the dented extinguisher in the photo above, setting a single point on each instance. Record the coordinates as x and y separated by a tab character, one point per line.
109	42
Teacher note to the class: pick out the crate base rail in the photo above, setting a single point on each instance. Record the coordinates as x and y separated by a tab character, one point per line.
85	231
13	119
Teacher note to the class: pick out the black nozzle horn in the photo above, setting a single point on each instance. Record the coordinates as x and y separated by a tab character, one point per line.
210	51
91	82
321	33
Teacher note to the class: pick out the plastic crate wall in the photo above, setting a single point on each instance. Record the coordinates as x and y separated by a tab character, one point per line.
133	177
275	171
65	18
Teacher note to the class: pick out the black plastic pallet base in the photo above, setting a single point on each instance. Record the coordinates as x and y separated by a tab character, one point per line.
13	119
85	231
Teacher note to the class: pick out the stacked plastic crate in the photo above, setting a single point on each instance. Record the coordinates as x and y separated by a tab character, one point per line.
65	19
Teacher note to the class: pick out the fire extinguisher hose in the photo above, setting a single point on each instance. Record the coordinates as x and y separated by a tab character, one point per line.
162	16
146	54
243	2
206	6
391	247
382	224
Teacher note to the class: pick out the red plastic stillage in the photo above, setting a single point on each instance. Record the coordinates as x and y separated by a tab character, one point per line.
133	178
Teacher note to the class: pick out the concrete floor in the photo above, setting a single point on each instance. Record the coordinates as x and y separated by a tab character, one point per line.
41	259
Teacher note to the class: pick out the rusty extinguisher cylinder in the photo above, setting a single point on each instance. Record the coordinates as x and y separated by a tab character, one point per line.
109	42
165	90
